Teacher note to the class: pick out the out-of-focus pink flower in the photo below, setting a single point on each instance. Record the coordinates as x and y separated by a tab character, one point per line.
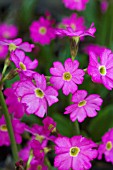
15	107
94	47
18	128
36	95
24	64
78	5
37	165
75	22
68	31
8	31
41	31
13	45
3	51
83	106
75	153
66	77
104	5
101	71
106	147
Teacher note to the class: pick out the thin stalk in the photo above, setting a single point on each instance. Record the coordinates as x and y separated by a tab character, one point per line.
9	127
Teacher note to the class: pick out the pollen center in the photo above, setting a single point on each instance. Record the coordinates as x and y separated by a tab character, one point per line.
22	66
42	30
109	145
39	93
102	70
74	151
12	47
73	26
3	128
39	167
67	76
82	103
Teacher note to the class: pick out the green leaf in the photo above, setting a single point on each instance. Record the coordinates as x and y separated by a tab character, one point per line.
100	124
64	125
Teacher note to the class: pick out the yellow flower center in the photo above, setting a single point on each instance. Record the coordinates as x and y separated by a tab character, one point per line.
12	47
67	76
39	167
74	151
42	30
3	128
40	138
102	70
22	66
82	103
73	26
39	93
109	145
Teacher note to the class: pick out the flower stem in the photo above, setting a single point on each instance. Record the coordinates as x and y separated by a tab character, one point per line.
77	128
9	127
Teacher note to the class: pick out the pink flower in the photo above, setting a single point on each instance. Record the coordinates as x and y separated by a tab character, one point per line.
75	153
101	71
76	33
106	147
36	95
3	51
49	125
83	106
37	165
25	152
78	5
8	31
41	31
76	23
67	76
15	107
104	5
18	128
23	63
94	47
17	44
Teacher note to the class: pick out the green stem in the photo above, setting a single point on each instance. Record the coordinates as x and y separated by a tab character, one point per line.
9	127
77	128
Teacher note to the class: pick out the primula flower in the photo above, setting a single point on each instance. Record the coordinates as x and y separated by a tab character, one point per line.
76	23
17	44
37	95
41	31
94	47
106	147
68	31
8	31
15	107
104	5
83	106
49	125
78	5
18	128
67	76
25	152
23	63
101	71
75	153
37	165
3	51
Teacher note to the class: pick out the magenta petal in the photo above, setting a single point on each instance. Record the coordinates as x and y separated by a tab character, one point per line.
69	87
51	95
26	47
79	96
63	161
42	109
31	102
57	82
40	81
